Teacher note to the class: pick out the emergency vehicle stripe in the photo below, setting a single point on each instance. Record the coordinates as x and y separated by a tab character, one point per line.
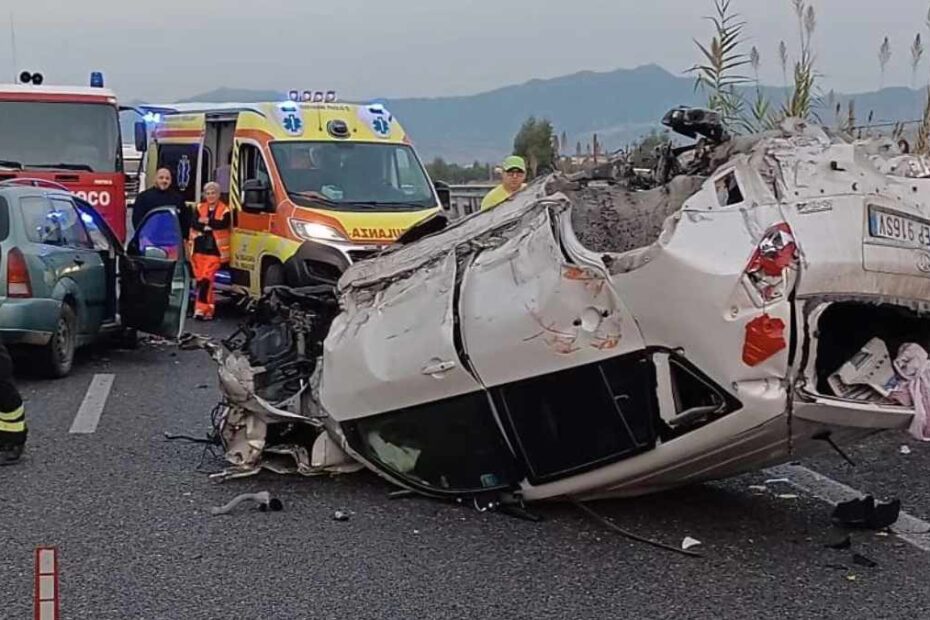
13	422
234	177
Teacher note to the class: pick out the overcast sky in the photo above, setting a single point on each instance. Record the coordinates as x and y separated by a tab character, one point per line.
168	49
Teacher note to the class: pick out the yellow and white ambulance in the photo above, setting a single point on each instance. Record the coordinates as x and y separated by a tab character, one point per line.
314	184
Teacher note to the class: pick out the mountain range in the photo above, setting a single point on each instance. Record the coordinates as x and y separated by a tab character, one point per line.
619	106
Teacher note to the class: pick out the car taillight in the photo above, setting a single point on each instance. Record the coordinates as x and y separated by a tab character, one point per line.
765	336
17	275
775	256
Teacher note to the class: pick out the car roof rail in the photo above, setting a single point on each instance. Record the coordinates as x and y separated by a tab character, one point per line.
30	182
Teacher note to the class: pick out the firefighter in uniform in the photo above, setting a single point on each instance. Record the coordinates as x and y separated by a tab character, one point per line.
12	413
210	234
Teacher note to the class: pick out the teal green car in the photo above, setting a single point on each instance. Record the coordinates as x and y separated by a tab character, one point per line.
66	280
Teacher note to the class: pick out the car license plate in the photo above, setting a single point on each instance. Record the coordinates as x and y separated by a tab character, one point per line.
903	230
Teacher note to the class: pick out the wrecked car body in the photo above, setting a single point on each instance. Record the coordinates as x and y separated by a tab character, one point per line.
584	339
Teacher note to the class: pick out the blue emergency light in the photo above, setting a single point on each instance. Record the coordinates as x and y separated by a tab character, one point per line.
152	118
96	79
293	95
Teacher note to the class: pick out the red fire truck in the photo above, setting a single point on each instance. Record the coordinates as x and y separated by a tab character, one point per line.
68	135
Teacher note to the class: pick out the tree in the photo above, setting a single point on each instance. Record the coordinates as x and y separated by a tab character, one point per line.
535	142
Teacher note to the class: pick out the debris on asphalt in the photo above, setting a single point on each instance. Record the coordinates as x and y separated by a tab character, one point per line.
340	515
759	488
846	543
864	513
861	560
851	577
777	481
904	450
689	542
627	534
262	498
787	496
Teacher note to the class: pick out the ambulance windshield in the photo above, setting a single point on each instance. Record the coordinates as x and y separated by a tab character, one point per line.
67	136
354	176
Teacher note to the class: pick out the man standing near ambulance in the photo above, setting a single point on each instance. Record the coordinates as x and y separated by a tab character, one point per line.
514	179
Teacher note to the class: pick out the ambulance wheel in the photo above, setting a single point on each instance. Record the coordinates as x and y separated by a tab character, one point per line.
58	355
273	275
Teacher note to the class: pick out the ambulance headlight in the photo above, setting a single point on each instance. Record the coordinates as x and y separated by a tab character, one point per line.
311	231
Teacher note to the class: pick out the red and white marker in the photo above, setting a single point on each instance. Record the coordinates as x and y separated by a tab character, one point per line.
46	593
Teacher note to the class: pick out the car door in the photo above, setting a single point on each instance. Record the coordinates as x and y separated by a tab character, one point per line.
55	227
155	276
90	275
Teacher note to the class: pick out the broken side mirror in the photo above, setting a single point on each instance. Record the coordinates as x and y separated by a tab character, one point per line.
255	194
444	193
141	136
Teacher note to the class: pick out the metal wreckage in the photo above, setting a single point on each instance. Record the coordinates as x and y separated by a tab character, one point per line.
608	333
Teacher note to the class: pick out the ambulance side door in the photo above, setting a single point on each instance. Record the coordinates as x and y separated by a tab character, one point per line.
251	196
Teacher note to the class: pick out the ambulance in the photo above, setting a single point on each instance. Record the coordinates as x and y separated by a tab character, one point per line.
314	184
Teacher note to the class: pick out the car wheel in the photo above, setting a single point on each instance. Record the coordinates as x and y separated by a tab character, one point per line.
273	275
58	354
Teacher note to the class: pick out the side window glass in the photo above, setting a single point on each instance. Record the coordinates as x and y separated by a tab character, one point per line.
261	170
72	230
97	237
159	236
52	224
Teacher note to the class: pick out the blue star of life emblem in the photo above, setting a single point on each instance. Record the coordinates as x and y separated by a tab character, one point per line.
381	126
292	123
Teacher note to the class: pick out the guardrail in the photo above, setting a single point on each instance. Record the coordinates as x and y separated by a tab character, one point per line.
466	199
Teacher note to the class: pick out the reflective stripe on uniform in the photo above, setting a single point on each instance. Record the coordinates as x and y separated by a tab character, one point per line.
14	415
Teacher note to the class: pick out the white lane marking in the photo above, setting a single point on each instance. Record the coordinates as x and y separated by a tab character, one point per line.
908	528
88	416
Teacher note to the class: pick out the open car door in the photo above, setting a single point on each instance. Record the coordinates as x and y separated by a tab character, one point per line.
155	276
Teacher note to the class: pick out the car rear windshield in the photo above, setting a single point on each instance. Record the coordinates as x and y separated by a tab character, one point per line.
4	219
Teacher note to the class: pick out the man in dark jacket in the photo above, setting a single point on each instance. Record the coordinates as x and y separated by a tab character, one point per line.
161	195
12	414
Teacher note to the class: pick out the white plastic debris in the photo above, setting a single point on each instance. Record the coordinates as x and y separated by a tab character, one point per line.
904	450
689	542
787	496
759	488
777	481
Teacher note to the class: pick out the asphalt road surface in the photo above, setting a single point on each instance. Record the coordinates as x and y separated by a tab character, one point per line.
129	513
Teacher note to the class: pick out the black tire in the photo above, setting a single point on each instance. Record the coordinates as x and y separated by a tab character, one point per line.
273	275
57	356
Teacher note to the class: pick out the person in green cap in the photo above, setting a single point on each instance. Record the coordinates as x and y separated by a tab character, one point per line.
514	180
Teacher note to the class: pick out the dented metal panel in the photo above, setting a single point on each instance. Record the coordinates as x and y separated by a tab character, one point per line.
393	348
527	311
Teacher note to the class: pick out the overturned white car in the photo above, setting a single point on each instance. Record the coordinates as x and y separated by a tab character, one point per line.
584	339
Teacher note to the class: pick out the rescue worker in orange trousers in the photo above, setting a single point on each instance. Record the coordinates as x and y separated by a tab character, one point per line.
12	415
210	233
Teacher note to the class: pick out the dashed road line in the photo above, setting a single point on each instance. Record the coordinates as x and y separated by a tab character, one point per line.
908	528
88	415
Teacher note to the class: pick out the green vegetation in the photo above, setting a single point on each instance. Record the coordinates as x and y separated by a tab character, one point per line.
440	170
537	144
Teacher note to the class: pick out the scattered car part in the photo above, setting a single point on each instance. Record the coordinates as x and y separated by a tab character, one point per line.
627	534
262	498
864	513
861	560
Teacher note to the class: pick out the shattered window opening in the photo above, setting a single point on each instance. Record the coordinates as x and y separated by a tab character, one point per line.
728	190
846	328
452	446
581	418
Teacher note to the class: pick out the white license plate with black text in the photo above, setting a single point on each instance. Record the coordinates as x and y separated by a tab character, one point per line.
904	230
